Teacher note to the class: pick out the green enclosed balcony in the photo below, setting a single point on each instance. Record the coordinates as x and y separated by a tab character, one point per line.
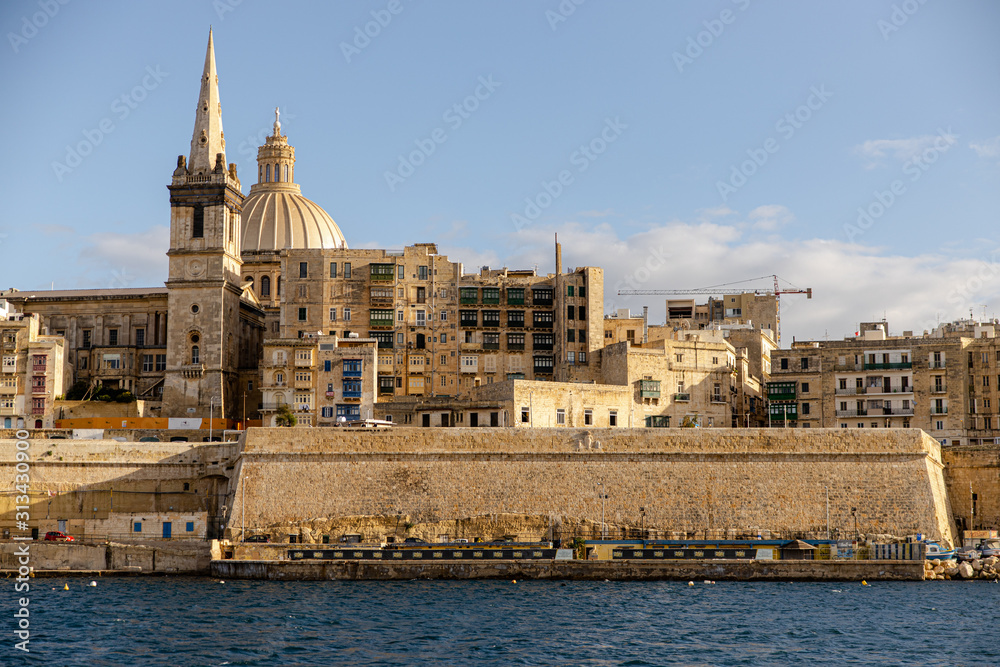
781	391
468	295
381	318
383	272
788	412
491	296
649	388
515	296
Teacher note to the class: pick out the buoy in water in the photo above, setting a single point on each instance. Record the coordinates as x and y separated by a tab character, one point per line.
864	583
93	583
690	583
514	581
65	587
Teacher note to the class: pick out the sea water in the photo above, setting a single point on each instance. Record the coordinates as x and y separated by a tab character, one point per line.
201	621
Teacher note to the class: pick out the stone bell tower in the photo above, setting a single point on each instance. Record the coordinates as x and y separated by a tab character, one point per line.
204	278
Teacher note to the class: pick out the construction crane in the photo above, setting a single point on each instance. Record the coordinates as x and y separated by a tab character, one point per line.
777	291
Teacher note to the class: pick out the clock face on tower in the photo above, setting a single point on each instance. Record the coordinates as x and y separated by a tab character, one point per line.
195	268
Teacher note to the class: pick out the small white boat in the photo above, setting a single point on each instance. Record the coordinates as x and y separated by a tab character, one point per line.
937	552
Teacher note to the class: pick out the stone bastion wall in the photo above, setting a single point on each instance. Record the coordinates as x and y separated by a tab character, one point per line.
665	479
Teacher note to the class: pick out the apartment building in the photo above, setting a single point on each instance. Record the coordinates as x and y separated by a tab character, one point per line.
439	331
33	372
322	379
944	382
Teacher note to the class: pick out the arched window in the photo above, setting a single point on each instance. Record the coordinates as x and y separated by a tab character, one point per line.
248	279
277	173
265	286
195	355
286	173
279	378
267	174
260	174
279	285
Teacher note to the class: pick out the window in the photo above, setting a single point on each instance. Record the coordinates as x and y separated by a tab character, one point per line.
333	269
570	335
805	363
582	335
543	341
581	311
542	296
612	418
571	357
805	408
383	339
582	292
113	361
195	355
444	316
444	361
805	387
784	363
112	336
491	318
333	314
515	296
302	314
421	273
86	338
588	417
161	362
347	312
421	318
137	527
265	286
491	341
543	319
570	312
421	295
140	337
468	318
569	290
303	269
147	363
515	341
560	416
347	269
198	223
515	318
581	357
525	415
303	291
491	295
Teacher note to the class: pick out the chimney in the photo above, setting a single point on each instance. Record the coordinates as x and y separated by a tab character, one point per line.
645	324
558	257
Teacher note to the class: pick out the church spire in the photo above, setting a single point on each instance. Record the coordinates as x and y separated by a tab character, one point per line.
208	139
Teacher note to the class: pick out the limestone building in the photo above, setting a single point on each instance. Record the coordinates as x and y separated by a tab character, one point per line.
944	382
33	372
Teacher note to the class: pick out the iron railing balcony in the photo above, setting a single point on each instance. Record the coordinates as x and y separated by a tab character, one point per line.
894	366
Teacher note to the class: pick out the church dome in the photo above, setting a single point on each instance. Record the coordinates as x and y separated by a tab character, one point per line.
275	214
274	219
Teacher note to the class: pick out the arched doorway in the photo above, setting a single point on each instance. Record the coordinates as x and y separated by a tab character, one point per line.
38	423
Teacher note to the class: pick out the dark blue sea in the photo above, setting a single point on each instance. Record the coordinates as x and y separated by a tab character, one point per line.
190	621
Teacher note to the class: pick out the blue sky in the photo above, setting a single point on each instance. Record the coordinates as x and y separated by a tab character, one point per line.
851	147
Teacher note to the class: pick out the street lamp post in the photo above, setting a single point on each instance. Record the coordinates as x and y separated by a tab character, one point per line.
603	498
854	513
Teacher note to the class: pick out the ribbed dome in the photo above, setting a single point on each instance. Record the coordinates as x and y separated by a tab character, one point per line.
279	217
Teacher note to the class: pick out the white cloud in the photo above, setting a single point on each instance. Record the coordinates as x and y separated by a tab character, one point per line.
989	148
770	216
901	150
850	282
125	260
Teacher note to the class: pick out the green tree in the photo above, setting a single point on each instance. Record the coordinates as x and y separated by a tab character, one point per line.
285	417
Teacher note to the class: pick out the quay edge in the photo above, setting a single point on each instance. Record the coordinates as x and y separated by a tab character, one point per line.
715	570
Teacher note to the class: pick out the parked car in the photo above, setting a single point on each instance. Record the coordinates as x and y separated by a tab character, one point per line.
966	555
58	536
257	538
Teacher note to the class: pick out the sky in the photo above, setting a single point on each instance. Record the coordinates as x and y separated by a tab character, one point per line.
849	147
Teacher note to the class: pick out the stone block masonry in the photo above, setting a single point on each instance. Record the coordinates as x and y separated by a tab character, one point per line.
684	479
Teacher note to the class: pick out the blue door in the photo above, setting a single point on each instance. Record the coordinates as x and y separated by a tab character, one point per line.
6	422
166	530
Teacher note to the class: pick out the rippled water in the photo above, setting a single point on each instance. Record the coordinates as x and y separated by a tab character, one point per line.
189	621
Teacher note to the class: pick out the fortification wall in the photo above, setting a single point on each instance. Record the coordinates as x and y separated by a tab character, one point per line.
667	479
974	469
